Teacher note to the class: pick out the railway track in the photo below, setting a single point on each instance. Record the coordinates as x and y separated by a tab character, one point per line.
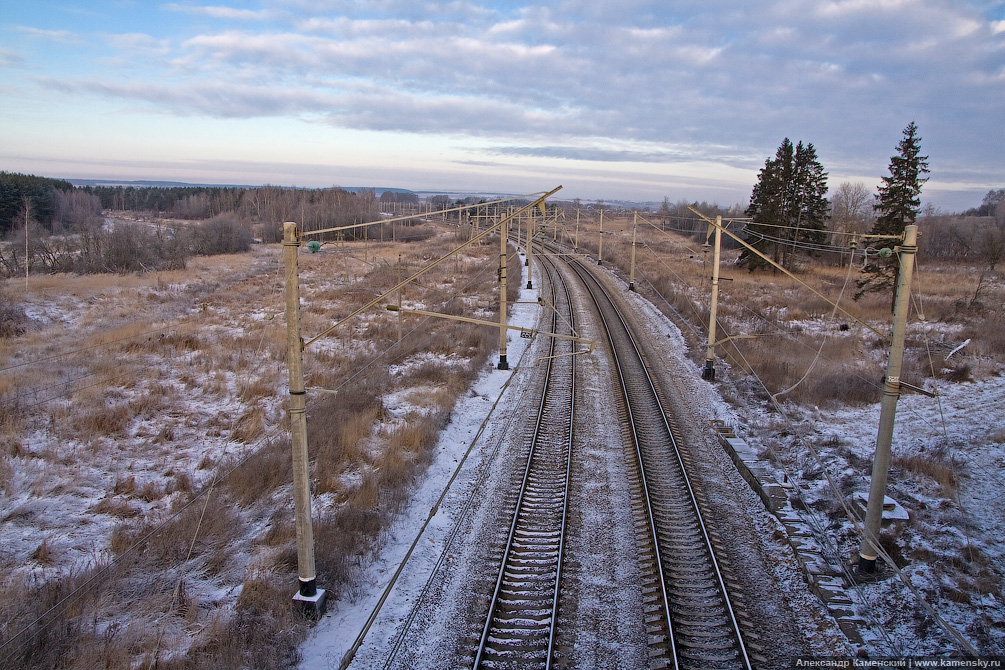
690	621
689	617
520	628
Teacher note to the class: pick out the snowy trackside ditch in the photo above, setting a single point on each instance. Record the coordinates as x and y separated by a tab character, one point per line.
337	631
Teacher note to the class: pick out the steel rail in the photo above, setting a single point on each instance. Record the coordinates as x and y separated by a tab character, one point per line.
583	274
601	295
552	273
520	512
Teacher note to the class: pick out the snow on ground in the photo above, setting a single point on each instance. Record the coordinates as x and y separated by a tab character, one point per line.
963	426
951	549
335	634
69	488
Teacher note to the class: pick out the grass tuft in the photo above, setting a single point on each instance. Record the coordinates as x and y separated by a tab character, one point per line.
935	466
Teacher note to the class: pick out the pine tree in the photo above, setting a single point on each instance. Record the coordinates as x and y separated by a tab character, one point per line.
897	206
787	205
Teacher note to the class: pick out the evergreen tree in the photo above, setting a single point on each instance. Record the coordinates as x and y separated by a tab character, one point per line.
787	205
15	187
897	206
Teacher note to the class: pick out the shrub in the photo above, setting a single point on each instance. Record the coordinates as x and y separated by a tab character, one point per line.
414	234
13	321
223	234
139	248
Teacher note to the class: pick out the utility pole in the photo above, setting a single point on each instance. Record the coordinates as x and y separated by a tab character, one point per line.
888	406
600	250
531	230
397	280
709	371
631	274
27	217
309	597
530	223
503	365
575	244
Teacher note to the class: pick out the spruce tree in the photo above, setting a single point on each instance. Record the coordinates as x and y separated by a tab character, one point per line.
897	206
787	205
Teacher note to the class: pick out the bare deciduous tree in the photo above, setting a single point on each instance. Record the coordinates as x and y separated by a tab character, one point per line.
851	208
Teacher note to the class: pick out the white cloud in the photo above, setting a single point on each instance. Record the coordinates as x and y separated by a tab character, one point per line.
134	42
58	36
221	12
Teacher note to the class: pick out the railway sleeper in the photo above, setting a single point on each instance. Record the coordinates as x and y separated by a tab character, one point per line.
519	566
710	653
695	593
691	571
534	538
511	596
689	630
534	622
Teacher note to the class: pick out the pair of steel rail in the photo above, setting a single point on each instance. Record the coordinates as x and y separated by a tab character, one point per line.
690	622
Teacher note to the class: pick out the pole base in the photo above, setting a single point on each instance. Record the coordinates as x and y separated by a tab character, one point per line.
311	605
631	287
708	373
865	566
503	365
526	262
530	284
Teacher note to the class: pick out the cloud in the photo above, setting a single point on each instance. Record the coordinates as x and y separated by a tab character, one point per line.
588	81
217	100
595	154
221	12
58	36
10	59
139	42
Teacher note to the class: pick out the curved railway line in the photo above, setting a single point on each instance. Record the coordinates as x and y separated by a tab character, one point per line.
688	603
690	619
520	628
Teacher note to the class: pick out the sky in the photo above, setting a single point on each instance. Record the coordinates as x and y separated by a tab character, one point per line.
630	100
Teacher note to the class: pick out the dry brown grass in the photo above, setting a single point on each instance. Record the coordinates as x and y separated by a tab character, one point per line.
143	367
116	507
937	467
265	470
249	426
775	307
250	390
782	362
13	321
110	420
43	554
12	425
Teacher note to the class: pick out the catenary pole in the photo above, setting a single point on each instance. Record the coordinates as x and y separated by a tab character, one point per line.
503	241
600	249
531	232
888	406
709	371
309	597
631	274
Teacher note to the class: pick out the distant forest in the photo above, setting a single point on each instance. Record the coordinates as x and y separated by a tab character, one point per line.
58	206
67	229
